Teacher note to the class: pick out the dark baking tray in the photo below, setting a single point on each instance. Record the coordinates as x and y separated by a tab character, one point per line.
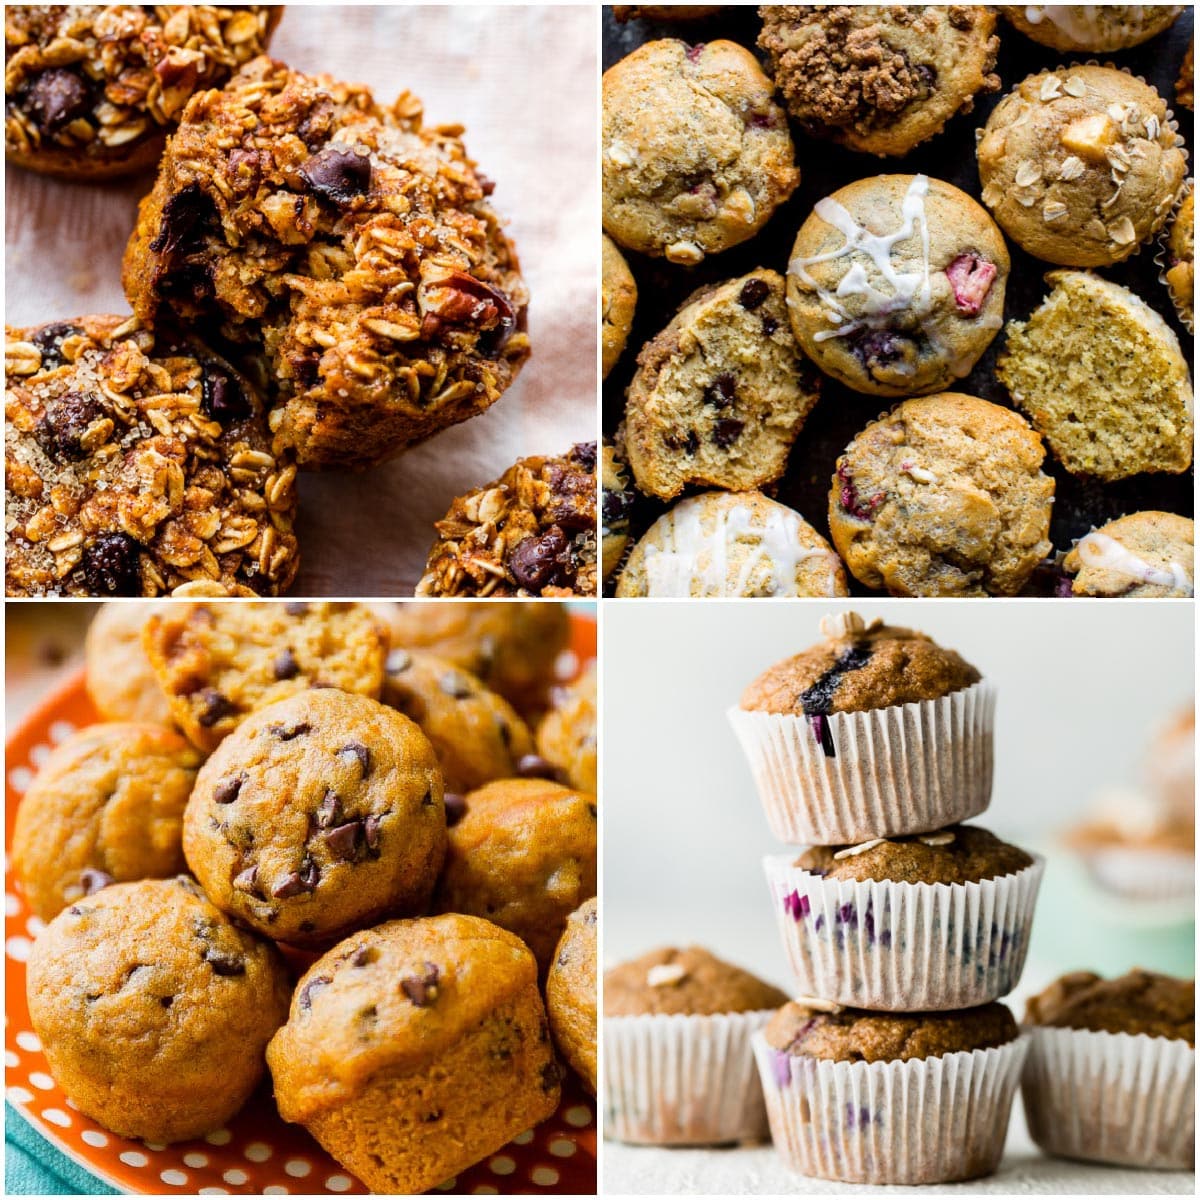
1080	504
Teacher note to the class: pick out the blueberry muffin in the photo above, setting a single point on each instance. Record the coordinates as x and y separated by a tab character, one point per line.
138	464
1180	267
351	249
1141	554
571	993
618	299
566	736
1100	28
415	1049
1081	165
1102	377
1139	1002
90	91
691	981
695	153
119	677
879	78
154	1009
106	805
720	394
896	284
616	503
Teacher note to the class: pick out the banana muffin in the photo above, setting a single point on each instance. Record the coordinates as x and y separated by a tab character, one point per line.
1100	28
1179	272
1137	1002
119	677
689	981
1141	554
616	502
617	302
566	736
571	993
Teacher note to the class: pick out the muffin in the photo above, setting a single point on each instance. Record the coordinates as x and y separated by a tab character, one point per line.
616	502
678	1066
695	153
1179	272
1102	378
926	922
879	78
1185	85
1081	165
567	735
617	302
154	1009
415	1049
571	993
1142	554
720	394
943	496
876	731
1100	28
896	1098
727	544
896	284
106	805
119	678
1111	1070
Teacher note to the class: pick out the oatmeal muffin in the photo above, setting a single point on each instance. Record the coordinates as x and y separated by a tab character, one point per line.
943	496
616	503
318	815
415	1049
1180	266
617	302
138	464
354	251
1142	554
879	78
524	856
695	153
1186	83
1102	377
120	679
571	993
154	1009
1081	165
726	544
896	284
218	663
532	532
1100	28
567	735
107	805
720	394
91	91
476	734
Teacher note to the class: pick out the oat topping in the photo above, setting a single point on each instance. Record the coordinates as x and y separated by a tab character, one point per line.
861	848
665	974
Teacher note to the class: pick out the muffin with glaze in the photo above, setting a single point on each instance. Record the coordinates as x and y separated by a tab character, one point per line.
1100	28
1142	554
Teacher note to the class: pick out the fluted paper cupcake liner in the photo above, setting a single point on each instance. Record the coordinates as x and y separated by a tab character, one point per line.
682	1080
930	1120
849	777
903	947
1112	1097
1143	874
1162	254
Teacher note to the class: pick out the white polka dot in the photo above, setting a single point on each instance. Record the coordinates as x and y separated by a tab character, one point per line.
236	1176
20	778
11	1059
155	1145
28	1040
275	1190
133	1158
56	1116
447	1185
338	1183
72	1105
39	754
297	1167
61	730
502	1165
258	1152
544	1176
578	1115
194	1159
19	1095
174	1178
17	948
484	1190
523	1139
41	1080
12	904
93	1137
34	926
218	1137
213	1191
562	1148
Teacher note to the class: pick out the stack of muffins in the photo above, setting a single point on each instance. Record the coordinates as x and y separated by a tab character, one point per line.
902	927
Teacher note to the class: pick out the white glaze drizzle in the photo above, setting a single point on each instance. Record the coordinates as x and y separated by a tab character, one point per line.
1079	21
1106	553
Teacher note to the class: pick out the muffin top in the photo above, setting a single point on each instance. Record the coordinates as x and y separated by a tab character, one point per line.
817	1029
859	667
1137	1002
688	981
959	854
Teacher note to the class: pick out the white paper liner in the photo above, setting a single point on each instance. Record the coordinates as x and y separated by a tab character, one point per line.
1163	253
682	1080
1112	1097
909	768
1142	873
930	1120
903	947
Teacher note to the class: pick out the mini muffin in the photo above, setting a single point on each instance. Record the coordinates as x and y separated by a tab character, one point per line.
1103	379
1186	83
943	496
567	735
476	734
720	394
874	732
319	815
727	544
120	679
896	1098
1142	554
523	855
896	284
106	805
1100	28
1111	1072
695	153
616	503
618	300
415	1049
571	993
1081	165
1180	267
154	1009
879	78
678	1065
891	924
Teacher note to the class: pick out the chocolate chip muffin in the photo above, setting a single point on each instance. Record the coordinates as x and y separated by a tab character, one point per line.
618	298
119	678
91	91
1141	554
566	736
670	981
616	503
318	815
571	993
349	248
695	153
879	78
415	1049
1100	28
138	464
154	1009
1179	273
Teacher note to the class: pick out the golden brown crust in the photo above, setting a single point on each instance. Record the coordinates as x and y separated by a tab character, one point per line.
571	993
619	298
1138	1002
691	981
120	680
567	735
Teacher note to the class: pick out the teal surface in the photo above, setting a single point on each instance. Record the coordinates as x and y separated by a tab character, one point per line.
33	1167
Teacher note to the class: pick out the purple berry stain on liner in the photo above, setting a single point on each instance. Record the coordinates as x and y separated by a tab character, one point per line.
781	1063
796	906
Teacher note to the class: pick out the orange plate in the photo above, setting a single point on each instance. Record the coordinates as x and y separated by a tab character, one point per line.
257	1152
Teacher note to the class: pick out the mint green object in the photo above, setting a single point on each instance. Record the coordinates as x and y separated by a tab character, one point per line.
33	1167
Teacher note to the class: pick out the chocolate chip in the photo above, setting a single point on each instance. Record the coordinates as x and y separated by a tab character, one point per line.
285	665
49	341
313	986
296	882
342	840
226	792
246	881
55	98
184	215
337	174
221	396
223	963
329	810
534	766
551	1076
371	832
722	392
689	445
584	453
363	956
166	1001
296	608
111	566
754	292
454	685
539	562
398	661
727	431
455	806
92	880
769	324
214	707
357	751
422	990
64	421
616	506
187	283
285	733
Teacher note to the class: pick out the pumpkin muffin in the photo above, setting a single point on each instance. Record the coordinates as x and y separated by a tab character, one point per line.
1142	554
1100	28
617	302
571	993
567	735
119	677
1179	247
